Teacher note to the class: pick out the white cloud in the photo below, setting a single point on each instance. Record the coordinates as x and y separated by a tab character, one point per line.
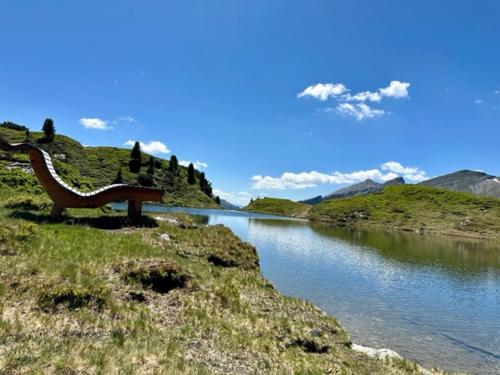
496	92
303	180
364	96
152	147
345	99
478	101
396	89
196	164
241	198
128	119
360	111
323	91
95	123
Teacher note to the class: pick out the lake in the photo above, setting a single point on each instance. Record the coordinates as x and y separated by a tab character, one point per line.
433	300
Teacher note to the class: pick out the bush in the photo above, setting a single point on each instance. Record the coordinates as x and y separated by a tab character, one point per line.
72	297
28	202
161	276
20	232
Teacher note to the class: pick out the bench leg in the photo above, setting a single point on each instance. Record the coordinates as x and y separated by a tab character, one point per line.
135	211
56	212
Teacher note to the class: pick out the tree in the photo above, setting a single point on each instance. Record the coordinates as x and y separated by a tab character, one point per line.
134	165
217	200
27	135
145	179
191	174
119	178
203	181
49	130
174	164
151	166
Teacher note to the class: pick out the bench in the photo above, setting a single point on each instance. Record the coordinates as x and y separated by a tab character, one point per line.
65	196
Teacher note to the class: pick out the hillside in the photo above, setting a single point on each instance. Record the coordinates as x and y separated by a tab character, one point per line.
276	206
88	168
416	208
467	181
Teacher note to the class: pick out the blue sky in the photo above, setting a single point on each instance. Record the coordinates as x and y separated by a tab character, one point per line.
264	94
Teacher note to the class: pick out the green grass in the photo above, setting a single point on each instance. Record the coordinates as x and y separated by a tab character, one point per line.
276	206
78	299
416	208
89	168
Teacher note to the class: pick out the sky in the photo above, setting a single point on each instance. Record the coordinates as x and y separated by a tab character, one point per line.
278	98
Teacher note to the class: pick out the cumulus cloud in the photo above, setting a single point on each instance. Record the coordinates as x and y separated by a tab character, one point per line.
303	180
396	89
354	105
478	101
196	164
152	147
323	91
95	123
359	111
240	198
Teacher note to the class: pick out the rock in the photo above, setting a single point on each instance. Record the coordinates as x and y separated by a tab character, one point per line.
376	353
315	332
167	219
164	237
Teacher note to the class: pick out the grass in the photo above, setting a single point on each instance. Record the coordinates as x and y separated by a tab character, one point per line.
276	206
78	299
418	209
89	168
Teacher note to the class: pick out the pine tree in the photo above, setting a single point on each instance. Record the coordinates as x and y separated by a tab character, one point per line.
27	135
203	182
217	200
134	164
49	130
119	178
151	166
191	174
174	164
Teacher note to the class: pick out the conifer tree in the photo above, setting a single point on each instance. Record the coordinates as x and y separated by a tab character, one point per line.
174	164
151	166
49	130
134	164
191	175
119	178
217	200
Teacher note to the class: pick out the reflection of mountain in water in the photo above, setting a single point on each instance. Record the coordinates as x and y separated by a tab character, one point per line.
451	254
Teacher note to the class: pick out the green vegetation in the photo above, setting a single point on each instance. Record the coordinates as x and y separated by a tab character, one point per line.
276	206
176	297
416	208
89	168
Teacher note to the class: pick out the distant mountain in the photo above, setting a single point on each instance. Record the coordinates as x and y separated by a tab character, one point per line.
363	188
467	181
228	205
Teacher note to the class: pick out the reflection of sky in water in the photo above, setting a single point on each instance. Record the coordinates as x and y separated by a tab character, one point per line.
437	302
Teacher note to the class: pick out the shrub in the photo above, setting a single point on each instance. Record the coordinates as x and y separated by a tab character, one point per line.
19	232
161	276
28	202
72	297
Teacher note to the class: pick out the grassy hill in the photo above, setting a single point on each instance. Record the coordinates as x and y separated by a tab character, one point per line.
88	168
416	208
276	206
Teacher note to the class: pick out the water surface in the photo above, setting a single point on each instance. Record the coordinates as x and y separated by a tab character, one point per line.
433	300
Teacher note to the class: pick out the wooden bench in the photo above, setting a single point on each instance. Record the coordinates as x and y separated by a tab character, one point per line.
65	196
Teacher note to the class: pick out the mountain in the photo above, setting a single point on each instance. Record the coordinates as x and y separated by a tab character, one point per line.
467	181
363	188
228	205
89	168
